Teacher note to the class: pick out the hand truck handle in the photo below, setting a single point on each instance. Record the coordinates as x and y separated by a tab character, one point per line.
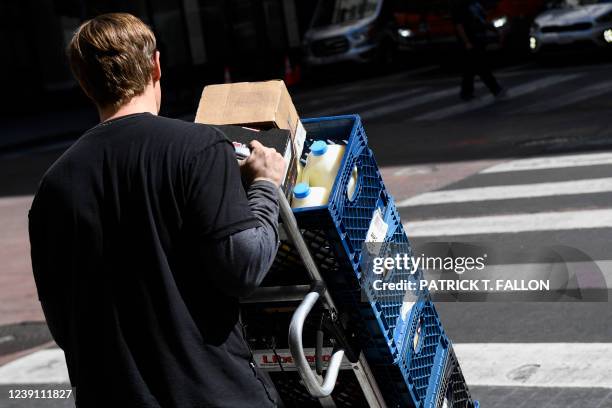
297	352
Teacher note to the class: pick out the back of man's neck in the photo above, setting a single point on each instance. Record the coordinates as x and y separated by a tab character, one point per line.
138	104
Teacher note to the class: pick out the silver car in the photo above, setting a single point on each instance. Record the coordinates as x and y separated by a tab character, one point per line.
344	30
578	24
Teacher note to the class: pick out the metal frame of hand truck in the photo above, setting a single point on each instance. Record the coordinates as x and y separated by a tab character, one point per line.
308	295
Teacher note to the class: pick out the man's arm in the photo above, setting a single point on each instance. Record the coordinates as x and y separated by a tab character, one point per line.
245	257
48	277
235	232
463	36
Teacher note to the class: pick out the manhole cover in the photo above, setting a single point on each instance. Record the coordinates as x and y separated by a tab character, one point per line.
22	336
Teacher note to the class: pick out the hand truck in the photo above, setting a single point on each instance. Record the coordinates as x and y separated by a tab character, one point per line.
308	295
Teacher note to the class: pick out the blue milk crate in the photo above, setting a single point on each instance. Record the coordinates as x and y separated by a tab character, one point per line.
389	304
350	217
381	308
378	312
450	389
423	350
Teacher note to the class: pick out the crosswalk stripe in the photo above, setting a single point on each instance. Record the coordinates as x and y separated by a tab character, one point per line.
511	223
320	100
407	104
574	365
514	92
551	162
359	85
41	367
564	276
559	365
589	186
567	99
354	107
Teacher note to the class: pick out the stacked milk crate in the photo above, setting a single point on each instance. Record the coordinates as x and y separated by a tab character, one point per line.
399	331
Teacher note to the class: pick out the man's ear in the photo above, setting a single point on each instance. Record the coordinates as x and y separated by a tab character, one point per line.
156	75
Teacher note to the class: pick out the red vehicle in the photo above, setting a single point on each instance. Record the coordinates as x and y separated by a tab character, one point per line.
427	24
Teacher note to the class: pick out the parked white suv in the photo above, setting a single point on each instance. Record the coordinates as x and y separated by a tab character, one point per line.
579	24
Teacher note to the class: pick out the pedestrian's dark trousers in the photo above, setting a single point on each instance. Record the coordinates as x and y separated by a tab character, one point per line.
475	63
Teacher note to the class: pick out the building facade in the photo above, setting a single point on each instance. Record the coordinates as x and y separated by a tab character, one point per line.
199	41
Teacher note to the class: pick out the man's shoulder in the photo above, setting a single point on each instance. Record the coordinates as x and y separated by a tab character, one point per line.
157	133
196	134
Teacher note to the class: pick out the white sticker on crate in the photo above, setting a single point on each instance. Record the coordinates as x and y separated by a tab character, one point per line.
377	232
300	137
287	158
405	310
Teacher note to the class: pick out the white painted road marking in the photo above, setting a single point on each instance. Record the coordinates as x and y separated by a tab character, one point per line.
355	107
343	88
40	367
559	365
506	192
582	365
407	104
562	276
552	162
514	92
512	223
580	95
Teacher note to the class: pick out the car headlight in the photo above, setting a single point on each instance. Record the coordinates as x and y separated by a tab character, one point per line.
608	35
404	32
500	22
533	43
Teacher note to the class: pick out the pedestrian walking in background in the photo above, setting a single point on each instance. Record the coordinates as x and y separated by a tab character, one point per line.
471	24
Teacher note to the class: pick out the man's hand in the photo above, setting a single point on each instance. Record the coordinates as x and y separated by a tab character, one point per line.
264	163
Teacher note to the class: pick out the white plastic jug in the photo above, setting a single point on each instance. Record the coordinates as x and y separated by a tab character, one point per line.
322	164
352	184
306	196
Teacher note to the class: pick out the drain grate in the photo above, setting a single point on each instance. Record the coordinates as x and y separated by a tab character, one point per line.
23	336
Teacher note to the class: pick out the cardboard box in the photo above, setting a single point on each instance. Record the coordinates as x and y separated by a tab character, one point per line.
261	105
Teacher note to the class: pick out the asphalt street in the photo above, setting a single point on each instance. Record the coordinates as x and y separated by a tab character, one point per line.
524	174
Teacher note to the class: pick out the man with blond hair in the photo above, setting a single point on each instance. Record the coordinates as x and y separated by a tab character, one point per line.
143	238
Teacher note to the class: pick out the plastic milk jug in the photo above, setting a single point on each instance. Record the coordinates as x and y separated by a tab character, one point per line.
322	164
352	184
306	196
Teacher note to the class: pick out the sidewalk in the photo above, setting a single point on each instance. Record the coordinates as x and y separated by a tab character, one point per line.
18	298
22	324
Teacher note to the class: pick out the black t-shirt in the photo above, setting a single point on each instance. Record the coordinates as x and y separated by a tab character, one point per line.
472	16
121	229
